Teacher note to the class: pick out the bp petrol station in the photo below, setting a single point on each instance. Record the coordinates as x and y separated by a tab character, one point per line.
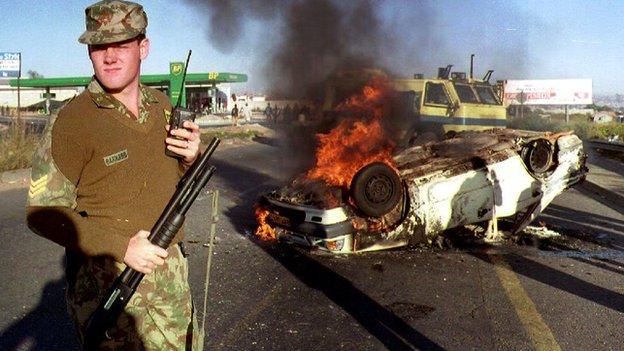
201	91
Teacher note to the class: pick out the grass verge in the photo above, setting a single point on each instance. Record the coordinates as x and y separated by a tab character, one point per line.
16	149
584	129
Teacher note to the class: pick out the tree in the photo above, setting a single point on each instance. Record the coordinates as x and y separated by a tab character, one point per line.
34	74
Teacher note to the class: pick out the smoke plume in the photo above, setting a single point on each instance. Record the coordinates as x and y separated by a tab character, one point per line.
314	38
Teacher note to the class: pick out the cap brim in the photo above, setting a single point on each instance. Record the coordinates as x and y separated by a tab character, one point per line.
97	38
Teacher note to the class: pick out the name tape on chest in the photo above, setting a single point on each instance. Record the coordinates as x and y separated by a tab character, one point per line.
116	158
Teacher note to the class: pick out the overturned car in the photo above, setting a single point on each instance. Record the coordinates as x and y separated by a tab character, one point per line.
470	178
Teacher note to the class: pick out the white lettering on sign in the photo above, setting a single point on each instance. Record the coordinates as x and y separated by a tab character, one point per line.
9	64
9	56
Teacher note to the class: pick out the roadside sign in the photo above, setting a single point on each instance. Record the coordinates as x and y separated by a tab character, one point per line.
548	92
10	64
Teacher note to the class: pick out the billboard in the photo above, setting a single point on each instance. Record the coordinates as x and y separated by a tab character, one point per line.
10	64
548	92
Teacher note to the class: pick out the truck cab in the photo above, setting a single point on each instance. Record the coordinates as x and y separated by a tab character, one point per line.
428	106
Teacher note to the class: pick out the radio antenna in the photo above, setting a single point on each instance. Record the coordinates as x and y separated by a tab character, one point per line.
188	57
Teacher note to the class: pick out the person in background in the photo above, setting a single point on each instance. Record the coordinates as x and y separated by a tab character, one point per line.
268	112
247	113
235	114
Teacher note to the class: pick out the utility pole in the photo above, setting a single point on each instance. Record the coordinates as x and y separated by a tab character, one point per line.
521	101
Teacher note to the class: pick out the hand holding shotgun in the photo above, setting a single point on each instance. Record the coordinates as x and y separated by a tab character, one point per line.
162	233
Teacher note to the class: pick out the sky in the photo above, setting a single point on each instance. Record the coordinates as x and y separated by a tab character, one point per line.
525	39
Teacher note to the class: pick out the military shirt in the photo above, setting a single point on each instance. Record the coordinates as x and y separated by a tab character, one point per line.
99	175
105	100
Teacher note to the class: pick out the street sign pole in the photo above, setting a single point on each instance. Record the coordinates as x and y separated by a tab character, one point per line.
19	74
47	101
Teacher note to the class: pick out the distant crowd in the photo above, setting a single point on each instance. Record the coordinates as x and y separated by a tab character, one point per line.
5	111
288	114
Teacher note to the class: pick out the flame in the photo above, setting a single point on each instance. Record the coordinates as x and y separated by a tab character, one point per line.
358	140
264	231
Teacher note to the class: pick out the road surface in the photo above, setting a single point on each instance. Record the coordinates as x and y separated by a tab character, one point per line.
533	295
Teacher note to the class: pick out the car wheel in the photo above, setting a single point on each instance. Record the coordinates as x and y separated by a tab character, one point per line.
539	156
376	189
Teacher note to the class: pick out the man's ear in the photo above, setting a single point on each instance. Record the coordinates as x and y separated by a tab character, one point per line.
144	45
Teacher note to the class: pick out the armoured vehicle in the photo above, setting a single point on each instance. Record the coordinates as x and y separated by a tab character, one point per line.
428	108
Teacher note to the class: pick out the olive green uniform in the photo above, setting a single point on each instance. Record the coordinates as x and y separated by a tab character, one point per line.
100	176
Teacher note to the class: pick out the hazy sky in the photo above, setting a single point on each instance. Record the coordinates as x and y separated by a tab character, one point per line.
524	39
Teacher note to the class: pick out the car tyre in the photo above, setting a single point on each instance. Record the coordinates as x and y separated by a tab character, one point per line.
539	156
376	189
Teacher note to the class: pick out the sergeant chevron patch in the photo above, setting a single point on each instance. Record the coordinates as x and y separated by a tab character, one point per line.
37	186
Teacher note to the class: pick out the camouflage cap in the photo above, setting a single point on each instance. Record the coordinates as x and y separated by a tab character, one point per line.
112	21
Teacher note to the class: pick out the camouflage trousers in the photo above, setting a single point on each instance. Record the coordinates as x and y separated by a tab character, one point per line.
159	316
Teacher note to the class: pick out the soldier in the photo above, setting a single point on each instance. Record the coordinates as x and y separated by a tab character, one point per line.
100	180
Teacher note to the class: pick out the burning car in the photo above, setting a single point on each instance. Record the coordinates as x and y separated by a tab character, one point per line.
364	194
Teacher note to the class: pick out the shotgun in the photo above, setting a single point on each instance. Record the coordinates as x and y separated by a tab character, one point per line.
162	233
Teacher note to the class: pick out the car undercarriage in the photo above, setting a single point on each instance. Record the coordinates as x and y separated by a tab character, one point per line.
470	178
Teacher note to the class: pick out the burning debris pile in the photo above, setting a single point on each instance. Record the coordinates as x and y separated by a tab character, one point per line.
264	231
357	141
420	191
369	184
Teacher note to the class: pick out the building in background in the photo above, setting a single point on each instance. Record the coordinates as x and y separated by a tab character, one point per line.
604	117
202	92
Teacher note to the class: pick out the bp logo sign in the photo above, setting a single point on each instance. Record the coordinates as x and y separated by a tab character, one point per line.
177	68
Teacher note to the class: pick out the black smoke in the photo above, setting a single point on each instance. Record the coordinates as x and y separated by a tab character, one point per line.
311	39
307	40
227	18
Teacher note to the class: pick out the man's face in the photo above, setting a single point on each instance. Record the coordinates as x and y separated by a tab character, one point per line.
116	65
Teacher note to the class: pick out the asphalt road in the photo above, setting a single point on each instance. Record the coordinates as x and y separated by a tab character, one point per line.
545	295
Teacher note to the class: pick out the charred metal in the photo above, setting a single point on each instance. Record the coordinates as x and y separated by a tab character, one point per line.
470	178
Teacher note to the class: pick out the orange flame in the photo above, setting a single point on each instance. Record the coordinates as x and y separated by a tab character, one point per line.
264	231
357	140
